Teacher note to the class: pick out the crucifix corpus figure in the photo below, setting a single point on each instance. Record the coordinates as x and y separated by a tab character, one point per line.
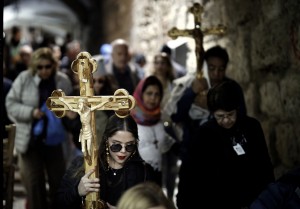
86	133
85	105
197	34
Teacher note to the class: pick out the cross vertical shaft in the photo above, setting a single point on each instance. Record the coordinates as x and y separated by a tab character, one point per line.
85	105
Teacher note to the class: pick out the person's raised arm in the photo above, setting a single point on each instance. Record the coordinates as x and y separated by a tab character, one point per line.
67	104
98	106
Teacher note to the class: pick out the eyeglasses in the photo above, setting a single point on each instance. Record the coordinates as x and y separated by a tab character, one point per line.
220	117
218	68
98	80
40	67
118	147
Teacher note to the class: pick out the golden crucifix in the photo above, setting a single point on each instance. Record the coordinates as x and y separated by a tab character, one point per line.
85	105
197	34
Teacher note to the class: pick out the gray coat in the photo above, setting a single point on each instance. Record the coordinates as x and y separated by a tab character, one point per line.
23	98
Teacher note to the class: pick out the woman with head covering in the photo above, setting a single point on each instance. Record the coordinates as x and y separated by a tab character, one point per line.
153	139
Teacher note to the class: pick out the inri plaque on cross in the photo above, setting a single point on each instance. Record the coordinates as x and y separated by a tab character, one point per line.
85	105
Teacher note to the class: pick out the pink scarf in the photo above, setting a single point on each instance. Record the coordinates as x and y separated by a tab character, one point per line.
140	113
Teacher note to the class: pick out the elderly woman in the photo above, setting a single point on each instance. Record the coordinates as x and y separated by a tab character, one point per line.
25	105
231	153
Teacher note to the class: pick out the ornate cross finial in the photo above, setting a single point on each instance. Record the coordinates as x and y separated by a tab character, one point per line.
197	33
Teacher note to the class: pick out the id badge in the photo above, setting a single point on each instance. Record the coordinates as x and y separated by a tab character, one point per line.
238	149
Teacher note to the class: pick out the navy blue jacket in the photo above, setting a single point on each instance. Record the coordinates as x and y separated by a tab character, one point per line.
282	194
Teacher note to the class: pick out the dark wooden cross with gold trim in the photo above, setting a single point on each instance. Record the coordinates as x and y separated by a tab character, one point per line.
85	105
197	34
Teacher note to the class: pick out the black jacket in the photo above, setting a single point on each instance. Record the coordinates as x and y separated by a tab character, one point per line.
134	171
221	177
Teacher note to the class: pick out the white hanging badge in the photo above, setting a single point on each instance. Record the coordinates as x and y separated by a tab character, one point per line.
238	149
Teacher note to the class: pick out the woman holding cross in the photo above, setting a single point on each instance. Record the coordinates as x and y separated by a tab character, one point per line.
120	167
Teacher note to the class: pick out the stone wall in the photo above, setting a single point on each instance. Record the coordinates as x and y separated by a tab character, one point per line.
102	22
262	41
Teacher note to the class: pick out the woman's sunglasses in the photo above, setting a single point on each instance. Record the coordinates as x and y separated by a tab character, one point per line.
118	147
40	67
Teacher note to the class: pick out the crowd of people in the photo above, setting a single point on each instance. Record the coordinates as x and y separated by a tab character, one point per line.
178	118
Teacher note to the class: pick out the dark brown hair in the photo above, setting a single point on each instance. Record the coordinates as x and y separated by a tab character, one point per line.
224	96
